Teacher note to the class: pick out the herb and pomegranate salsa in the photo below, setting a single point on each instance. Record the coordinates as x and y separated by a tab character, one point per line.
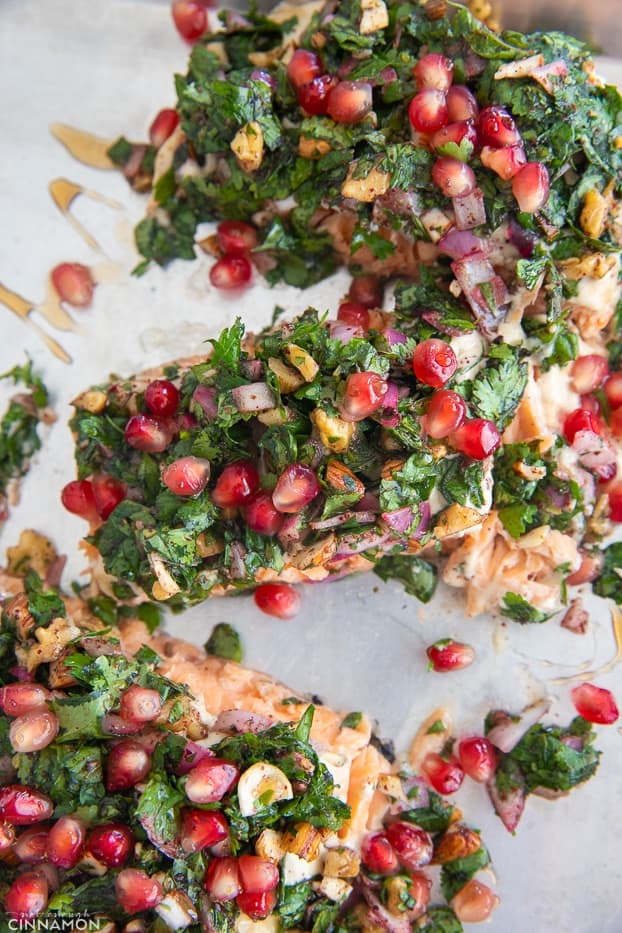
123	796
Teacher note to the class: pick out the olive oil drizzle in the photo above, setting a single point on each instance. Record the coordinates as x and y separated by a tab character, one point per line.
616	624
85	147
23	308
64	192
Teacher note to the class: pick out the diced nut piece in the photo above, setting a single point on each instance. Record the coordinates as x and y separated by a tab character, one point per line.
177	910
456	519
340	478
59	675
93	401
391	786
33	551
247	146
18	612
91	866
593	216
209	546
305	842
342	862
310	148
288	378
165	586
335	433
179	714
260	786
396	894
529	471
316	554
274	416
295	869
270	845
335	889
592	265
365	189
457	842
303	361
375	17
209	245
57	634
392	466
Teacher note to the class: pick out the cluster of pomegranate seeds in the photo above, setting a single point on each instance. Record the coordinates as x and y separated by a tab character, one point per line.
74	284
236	484
377	854
22	806
478	758
210	780
296	487
321	94
235	239
201	829
148	433
163	126
444	775
187	476
278	599
261	514
27	897
449	655
354	313
190	18
434	362
94	498
596	704
250	879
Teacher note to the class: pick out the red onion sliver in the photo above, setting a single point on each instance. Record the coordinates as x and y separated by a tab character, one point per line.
256	396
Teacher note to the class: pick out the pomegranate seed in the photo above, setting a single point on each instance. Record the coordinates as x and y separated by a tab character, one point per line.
162	398
412	845
444	776
461	104
434	71
201	829
364	394
474	903
296	487
140	704
366	290
427	111
74	284
27	896
591	566
17	699
111	843
378	856
222	880
128	763
261	515
581	420
615	422
210	780
615	503
497	128
350	101
434	362
352	313
595	704
108	492
33	731
143	432
588	373
462	134
66	842
258	905
590	403
446	412
231	272
313	97
7	836
303	67
136	891
165	122
257	875
449	655
112	724
237	482
21	806
453	177
613	390
477	438
79	499
419	891
530	187
187	476
278	599
505	162
31	845
478	758
235	237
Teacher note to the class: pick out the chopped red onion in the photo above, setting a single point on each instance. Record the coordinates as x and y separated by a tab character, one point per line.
508	731
363	518
352	544
237	566
344	333
425	516
470	210
253	369
389	416
461	243
260	75
596	454
393	336
191	755
523	240
398	520
255	396
207	398
369	503
576	618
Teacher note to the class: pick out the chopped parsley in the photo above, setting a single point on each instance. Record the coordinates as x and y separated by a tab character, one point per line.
19	425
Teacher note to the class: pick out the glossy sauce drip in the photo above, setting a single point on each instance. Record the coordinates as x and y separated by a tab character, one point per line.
64	193
22	308
585	674
85	147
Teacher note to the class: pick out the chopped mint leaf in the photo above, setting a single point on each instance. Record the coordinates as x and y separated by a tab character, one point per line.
225	642
418	576
351	721
516	607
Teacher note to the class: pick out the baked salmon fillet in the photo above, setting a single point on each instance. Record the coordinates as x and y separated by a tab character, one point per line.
141	778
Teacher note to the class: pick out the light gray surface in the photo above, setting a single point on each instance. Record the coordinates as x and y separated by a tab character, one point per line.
358	643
